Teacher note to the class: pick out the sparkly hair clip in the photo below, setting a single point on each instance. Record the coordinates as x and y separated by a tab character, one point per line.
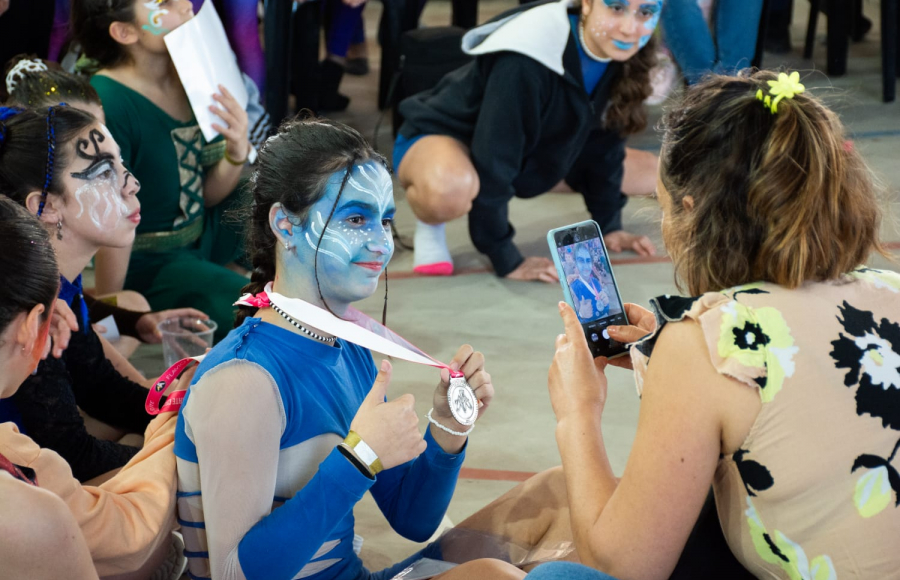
19	71
786	87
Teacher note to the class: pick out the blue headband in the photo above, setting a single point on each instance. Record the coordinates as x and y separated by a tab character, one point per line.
6	113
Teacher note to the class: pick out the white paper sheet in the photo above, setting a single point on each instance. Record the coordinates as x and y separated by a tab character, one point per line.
204	60
112	329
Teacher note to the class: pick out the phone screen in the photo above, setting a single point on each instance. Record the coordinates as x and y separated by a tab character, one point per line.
586	271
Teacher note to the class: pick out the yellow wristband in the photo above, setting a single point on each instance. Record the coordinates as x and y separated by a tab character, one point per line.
365	453
232	161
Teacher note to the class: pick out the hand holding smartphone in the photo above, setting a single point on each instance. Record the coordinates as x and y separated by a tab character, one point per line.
588	284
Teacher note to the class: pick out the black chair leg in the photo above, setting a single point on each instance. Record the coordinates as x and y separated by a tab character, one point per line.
398	17
278	57
761	35
465	13
889	17
840	13
815	6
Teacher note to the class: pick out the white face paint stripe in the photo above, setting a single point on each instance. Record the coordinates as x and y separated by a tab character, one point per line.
329	236
321	251
103	192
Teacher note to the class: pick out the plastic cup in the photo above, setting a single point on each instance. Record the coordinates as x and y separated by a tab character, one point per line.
185	337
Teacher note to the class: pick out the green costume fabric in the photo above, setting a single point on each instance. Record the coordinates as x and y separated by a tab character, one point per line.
182	246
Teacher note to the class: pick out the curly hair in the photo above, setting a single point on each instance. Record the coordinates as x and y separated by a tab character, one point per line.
774	197
626	112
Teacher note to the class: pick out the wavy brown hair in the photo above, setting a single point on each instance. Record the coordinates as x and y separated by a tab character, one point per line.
776	197
626	112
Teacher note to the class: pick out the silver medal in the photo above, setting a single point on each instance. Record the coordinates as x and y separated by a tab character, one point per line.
463	403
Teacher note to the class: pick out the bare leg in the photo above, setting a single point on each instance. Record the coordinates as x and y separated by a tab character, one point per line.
640	174
534	513
101	430
439	179
440	183
483	568
641	168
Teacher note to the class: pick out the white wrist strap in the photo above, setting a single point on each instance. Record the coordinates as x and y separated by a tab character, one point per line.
365	453
447	429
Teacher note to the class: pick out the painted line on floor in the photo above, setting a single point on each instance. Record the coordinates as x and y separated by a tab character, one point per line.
637	260
470	271
494	474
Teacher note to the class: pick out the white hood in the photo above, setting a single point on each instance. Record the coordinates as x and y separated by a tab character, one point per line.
539	33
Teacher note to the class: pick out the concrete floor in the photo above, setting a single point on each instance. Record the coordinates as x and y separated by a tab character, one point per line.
515	323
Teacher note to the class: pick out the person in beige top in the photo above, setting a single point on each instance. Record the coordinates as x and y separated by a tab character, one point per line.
777	383
122	528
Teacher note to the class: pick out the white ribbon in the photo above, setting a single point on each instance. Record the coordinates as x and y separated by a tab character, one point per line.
357	328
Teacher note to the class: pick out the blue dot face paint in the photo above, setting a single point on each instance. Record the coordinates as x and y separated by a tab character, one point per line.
358	242
617	29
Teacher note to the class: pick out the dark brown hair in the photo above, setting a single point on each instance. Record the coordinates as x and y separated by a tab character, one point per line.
626	112
776	197
34	89
293	169
23	149
90	24
27	263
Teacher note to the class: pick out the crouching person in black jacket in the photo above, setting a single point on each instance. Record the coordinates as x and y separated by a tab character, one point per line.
551	95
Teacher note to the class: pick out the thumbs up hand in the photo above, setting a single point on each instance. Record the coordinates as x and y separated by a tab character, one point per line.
390	429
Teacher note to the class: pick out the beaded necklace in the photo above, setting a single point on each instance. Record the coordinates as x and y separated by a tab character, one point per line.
301	328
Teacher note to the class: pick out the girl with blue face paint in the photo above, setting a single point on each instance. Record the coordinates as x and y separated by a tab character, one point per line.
302	413
525	117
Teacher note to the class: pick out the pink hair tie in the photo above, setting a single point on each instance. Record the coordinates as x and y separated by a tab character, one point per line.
260	300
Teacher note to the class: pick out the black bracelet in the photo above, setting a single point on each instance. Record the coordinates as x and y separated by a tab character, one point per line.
347	452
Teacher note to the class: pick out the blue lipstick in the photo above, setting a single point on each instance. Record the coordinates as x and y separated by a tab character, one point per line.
623	45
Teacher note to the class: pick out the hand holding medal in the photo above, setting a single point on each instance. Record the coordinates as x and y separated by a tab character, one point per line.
460	400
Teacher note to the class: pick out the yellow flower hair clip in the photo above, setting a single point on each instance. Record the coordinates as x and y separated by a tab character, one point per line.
786	87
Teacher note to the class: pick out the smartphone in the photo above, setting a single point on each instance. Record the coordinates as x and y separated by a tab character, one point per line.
588	284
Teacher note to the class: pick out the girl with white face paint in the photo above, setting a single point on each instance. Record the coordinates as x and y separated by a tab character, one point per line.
64	167
35	83
553	91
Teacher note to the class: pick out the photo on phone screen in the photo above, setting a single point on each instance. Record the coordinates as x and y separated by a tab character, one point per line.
584	268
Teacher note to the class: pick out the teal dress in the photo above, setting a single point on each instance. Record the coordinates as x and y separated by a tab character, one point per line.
181	248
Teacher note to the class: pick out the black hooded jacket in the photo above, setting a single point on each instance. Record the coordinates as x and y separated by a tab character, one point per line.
525	115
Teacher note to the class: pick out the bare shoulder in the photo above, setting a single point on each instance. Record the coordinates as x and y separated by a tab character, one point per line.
35	523
681	367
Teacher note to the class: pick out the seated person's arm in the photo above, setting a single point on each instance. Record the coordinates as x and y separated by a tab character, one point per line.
637	528
49	411
40	539
102	391
221	180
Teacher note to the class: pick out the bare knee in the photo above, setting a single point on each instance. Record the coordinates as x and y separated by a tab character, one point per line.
443	193
485	568
130	300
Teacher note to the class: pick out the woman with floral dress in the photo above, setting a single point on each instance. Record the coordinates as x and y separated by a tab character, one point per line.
777	382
